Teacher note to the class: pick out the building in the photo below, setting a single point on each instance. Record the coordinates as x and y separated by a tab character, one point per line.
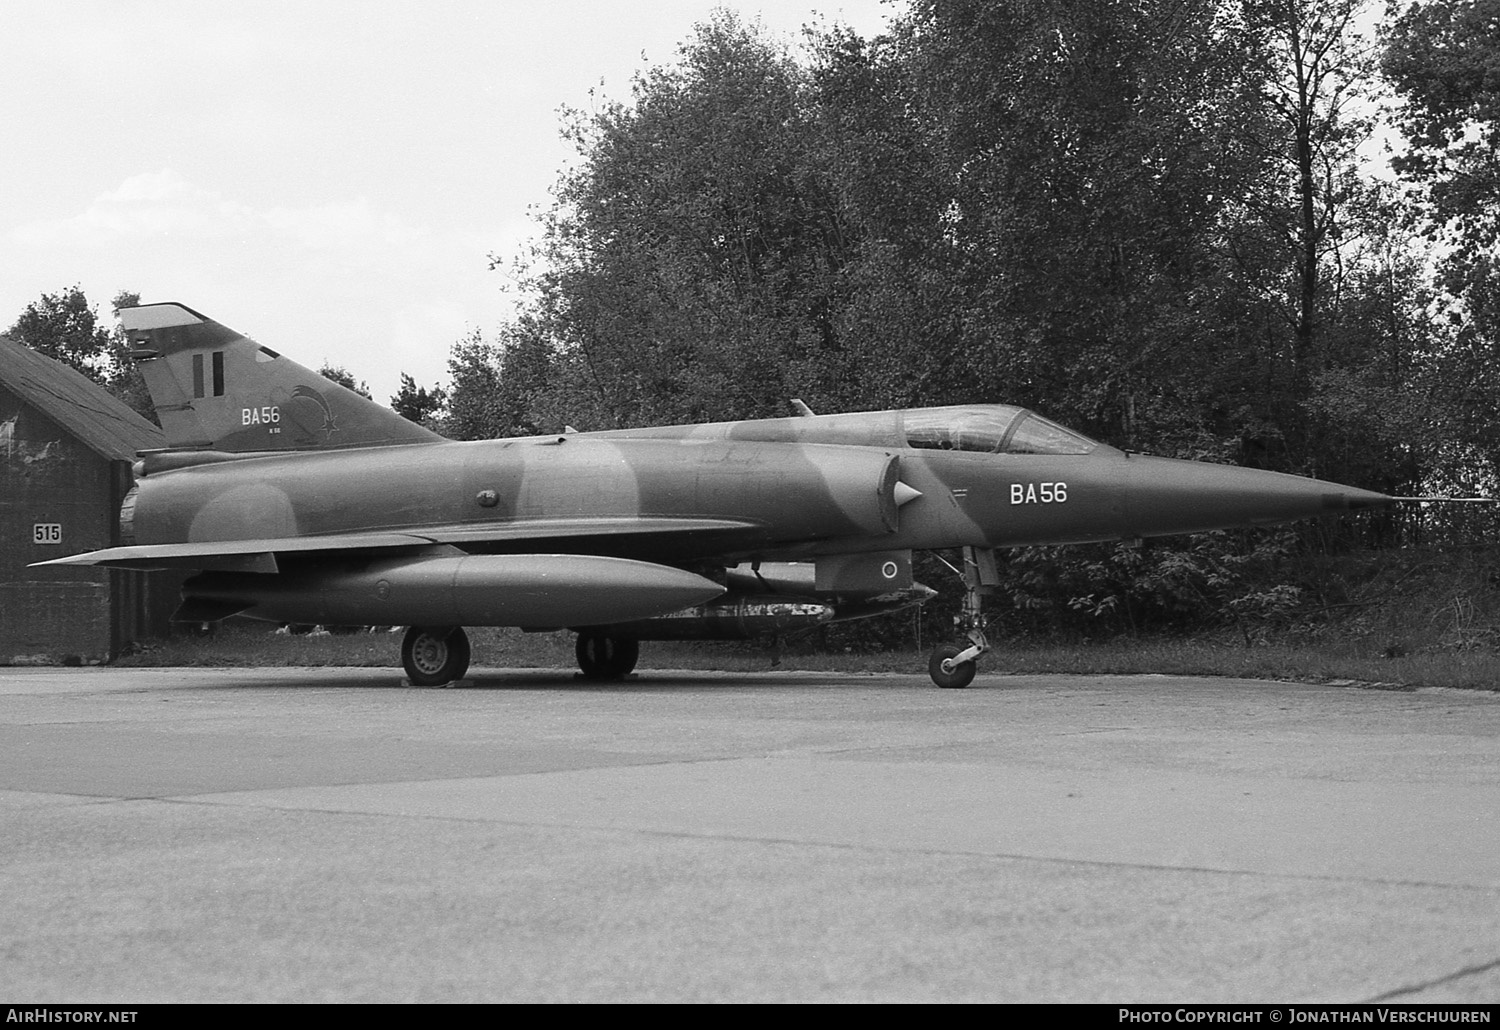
66	447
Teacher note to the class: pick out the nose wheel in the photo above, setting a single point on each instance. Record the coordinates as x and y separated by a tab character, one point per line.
435	655
952	666
946	671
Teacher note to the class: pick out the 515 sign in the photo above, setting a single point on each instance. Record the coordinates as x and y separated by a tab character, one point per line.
46	533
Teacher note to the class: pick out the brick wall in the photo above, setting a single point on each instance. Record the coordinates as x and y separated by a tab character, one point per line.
49	479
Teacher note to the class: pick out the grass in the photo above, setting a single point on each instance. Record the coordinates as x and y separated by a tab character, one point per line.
1351	658
1402	619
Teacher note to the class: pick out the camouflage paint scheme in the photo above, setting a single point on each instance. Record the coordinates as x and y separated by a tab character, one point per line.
302	501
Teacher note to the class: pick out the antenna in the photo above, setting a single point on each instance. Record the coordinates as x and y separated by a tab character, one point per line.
1448	500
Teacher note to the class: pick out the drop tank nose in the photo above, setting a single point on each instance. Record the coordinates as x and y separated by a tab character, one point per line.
1168	495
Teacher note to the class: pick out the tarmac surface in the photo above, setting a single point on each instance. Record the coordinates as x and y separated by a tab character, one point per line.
293	835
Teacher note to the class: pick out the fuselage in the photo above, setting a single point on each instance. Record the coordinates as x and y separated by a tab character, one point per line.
983	476
295	499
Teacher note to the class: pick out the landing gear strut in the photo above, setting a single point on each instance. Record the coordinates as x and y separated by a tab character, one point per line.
953	666
603	657
435	655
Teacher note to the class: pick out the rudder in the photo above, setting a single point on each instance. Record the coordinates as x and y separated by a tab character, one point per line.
216	388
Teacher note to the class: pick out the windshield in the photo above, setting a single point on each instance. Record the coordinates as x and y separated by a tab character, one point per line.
1036	435
992	429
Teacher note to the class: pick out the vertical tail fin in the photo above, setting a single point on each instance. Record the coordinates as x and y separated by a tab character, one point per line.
214	388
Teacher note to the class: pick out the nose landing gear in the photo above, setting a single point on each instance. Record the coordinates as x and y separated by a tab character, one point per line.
953	666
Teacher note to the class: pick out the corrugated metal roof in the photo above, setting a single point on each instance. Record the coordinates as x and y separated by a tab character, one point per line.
102	422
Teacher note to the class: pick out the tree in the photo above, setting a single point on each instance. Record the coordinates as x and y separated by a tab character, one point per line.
1309	220
125	380
996	203
345	378
1444	60
418	404
65	327
1144	217
1317	68
474	410
693	257
520	385
1082	160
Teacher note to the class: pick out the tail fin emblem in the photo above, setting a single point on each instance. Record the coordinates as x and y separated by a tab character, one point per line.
330	421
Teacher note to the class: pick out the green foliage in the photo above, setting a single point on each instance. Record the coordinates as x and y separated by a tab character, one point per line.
1084	153
126	381
473	400
1146	218
1161	586
693	255
345	378
1417	618
65	326
1142	218
1313	219
519	386
418	404
1443	58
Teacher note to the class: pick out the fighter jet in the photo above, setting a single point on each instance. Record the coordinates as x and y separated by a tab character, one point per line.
296	500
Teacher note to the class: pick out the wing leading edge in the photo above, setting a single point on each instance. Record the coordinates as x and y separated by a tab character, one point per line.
260	555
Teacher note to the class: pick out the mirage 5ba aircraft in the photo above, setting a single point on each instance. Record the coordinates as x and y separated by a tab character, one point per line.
297	500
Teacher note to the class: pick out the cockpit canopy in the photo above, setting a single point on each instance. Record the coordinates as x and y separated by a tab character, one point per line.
991	429
976	428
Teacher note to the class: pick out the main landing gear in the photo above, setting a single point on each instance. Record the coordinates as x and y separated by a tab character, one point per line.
953	665
435	655
604	657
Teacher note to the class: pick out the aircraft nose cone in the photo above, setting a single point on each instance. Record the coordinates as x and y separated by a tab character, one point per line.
1167	495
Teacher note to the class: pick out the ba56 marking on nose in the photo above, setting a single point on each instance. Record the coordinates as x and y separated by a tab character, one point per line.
1038	493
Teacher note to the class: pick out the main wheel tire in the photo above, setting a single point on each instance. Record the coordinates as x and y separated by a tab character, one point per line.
434	655
603	657
945	673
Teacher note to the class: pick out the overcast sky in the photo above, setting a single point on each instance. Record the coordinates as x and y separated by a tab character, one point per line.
327	177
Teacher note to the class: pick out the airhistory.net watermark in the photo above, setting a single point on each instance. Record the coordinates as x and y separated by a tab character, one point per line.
44	1014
